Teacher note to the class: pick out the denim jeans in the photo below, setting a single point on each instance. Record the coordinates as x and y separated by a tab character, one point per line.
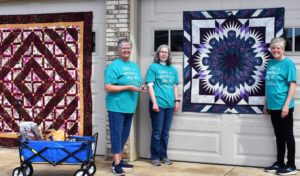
119	126
161	124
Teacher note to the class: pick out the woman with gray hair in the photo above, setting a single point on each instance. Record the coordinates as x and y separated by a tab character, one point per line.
122	84
162	81
280	89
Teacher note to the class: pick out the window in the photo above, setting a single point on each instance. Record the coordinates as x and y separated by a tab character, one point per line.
297	39
292	37
173	38
176	40
160	38
288	35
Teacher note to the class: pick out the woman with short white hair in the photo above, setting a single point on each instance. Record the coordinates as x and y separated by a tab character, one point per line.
122	84
280	89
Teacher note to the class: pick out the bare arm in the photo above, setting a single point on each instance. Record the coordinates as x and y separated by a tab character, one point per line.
285	109
153	99
118	88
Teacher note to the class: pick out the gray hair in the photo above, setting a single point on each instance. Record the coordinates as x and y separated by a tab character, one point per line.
156	57
278	40
123	40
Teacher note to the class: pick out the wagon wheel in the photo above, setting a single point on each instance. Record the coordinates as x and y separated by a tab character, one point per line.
91	168
29	170
82	172
18	172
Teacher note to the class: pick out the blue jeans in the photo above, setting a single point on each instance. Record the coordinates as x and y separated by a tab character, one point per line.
119	126
161	124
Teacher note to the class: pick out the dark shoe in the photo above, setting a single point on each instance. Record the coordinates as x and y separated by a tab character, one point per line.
125	165
167	161
274	168
117	169
288	170
155	162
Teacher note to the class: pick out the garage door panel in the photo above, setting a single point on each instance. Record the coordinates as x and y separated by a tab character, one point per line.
252	130
196	116
297	111
157	9
188	4
192	156
297	140
258	123
263	145
258	3
193	124
144	127
194	141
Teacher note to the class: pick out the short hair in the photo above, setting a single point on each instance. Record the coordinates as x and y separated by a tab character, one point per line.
123	40
278	40
156	57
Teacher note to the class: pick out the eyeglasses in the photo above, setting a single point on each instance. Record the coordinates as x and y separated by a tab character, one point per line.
125	48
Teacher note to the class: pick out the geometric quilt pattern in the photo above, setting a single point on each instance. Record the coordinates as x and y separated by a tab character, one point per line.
43	67
225	57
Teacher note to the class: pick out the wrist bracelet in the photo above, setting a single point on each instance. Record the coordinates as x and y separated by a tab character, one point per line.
176	100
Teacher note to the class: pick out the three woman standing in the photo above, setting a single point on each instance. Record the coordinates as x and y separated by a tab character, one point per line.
123	81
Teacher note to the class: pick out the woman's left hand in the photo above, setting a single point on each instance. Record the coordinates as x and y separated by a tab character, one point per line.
284	111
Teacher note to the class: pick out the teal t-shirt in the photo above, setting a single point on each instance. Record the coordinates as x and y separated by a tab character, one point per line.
278	76
164	78
120	72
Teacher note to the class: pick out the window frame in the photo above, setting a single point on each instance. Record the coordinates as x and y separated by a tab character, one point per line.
179	53
173	53
293	52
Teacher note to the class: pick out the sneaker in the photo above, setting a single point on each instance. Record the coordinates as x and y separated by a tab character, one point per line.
288	170
155	162
117	169
274	168
125	165
167	161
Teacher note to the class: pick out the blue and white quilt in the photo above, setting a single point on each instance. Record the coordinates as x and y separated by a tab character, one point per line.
225	58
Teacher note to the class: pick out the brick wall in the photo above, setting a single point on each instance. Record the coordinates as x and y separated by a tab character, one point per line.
118	20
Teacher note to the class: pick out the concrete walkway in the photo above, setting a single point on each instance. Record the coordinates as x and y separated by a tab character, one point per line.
9	159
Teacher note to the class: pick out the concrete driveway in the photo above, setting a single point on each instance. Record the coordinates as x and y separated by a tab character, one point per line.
9	159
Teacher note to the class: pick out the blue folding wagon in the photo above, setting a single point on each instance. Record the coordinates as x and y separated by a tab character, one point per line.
78	150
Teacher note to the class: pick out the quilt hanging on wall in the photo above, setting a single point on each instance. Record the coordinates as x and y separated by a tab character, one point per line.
45	72
225	57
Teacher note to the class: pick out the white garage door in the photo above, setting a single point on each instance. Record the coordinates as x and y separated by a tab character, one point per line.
98	7
210	138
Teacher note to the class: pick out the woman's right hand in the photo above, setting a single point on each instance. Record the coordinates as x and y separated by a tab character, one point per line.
155	108
133	88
